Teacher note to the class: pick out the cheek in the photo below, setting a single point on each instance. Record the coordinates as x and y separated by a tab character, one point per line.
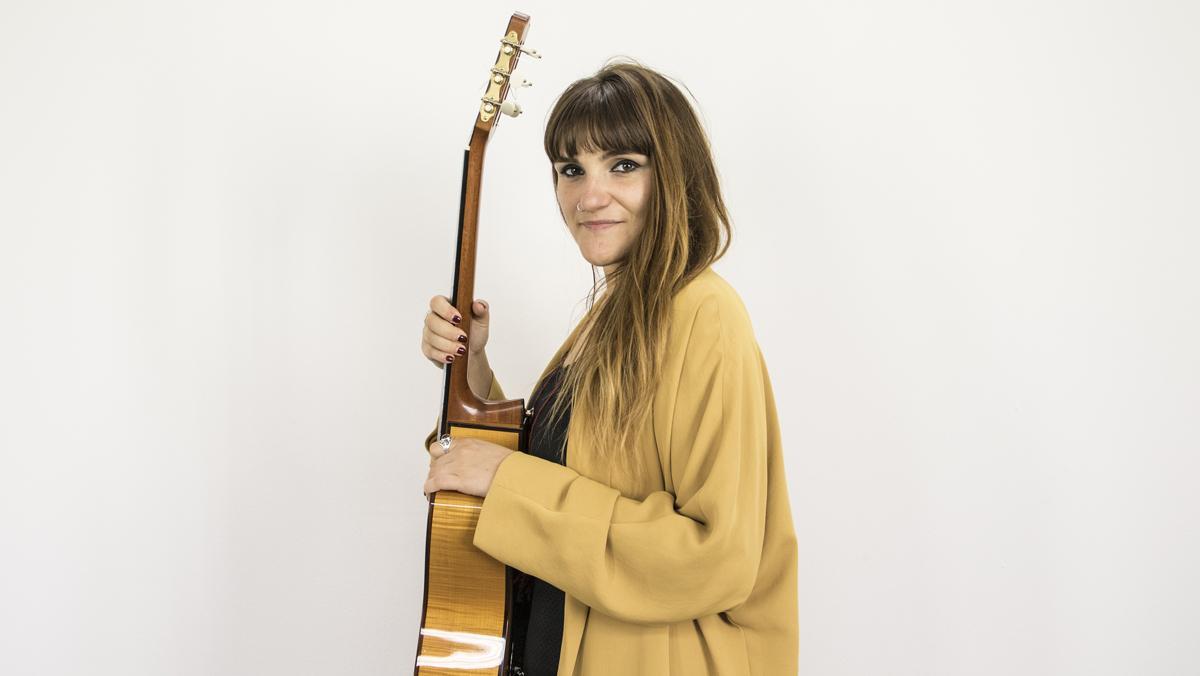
564	201
639	201
641	190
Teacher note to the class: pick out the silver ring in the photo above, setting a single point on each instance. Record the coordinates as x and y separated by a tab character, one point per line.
445	442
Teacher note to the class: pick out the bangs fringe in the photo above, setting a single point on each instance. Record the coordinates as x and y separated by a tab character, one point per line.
598	118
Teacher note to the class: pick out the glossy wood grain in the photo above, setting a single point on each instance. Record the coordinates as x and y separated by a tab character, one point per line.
466	605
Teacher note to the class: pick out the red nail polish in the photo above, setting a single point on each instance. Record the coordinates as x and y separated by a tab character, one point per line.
462	350
456	319
449	357
462	338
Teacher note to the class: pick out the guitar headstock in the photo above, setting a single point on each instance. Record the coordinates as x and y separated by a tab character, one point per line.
503	75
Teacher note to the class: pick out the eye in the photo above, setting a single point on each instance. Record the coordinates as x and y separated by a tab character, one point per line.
573	170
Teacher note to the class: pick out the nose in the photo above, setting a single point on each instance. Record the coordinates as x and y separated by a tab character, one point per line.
595	195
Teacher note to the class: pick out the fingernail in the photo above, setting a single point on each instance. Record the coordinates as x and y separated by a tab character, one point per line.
462	350
456	319
462	338
449	357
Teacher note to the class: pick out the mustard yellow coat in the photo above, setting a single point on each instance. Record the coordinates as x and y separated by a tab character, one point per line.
694	571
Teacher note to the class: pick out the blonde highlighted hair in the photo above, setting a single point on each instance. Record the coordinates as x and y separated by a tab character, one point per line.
628	107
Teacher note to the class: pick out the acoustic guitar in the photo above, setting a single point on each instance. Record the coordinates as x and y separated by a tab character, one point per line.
466	613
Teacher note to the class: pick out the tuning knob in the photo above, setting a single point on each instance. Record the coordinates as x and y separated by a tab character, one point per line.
510	108
530	51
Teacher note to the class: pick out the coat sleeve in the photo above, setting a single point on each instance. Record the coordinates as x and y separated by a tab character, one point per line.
670	557
494	393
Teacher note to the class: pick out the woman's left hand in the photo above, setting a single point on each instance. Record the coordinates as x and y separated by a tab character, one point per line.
467	467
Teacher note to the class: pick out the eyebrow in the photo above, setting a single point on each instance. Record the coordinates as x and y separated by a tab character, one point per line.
611	153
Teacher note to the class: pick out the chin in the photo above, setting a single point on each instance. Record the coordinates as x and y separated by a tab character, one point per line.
600	261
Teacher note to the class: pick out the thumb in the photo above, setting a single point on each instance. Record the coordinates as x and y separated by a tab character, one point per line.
480	313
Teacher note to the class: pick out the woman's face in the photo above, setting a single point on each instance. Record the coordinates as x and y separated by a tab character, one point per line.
604	196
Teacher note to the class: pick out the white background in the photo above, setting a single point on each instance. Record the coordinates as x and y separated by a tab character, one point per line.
966	233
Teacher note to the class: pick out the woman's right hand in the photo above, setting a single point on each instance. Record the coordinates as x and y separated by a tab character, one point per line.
441	338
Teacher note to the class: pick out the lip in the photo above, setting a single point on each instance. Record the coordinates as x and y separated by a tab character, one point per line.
598	225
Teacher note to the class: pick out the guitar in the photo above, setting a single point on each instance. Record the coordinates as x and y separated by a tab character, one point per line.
467	607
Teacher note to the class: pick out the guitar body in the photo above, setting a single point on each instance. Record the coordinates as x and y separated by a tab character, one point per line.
464	623
466	613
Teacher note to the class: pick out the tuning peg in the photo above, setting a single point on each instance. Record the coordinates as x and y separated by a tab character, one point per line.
529	51
510	108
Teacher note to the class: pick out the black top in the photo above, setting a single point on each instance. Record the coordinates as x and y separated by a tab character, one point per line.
537	606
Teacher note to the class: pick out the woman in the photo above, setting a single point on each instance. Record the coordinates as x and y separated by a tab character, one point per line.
651	515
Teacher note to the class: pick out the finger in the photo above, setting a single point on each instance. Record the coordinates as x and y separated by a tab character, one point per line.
445	346
438	482
438	358
428	351
441	307
436	326
442	351
436	450
480	311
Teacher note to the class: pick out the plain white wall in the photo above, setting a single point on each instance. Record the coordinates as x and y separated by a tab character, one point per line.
965	232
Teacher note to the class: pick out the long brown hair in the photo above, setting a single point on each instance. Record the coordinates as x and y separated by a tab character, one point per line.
626	106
